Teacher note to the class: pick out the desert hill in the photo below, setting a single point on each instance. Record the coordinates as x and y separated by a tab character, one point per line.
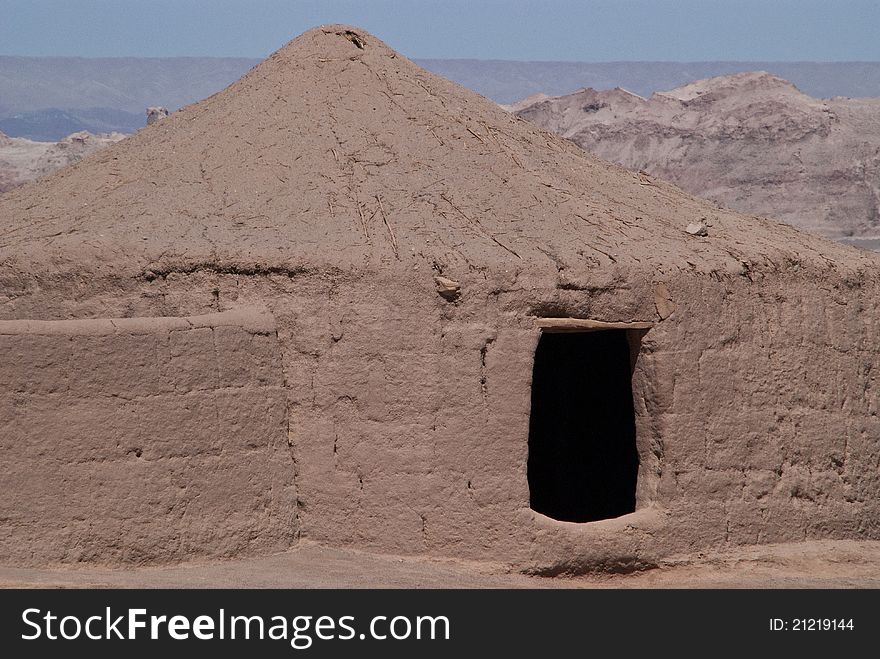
23	160
751	141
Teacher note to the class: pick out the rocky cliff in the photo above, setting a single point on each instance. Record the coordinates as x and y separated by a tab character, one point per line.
23	160
751	141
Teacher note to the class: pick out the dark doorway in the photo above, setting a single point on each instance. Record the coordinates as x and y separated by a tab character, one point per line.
583	461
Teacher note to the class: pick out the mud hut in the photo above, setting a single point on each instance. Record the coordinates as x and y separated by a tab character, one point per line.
347	301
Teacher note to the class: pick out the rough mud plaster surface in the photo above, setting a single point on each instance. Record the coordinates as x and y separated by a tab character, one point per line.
333	184
770	419
143	440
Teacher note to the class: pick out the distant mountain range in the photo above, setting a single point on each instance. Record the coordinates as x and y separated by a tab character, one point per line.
47	98
47	125
507	81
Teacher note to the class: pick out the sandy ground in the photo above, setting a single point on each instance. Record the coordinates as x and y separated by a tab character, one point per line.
820	564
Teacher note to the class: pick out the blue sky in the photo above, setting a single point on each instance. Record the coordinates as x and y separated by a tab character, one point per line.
585	30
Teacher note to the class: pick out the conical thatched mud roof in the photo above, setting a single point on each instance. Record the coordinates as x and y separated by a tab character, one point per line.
337	152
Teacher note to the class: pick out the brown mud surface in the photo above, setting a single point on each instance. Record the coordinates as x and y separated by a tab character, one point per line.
817	564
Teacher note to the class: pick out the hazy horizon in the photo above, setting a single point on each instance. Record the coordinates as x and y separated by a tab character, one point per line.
674	31
486	60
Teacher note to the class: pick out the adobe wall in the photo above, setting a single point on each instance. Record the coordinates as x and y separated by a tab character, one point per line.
755	402
143	440
768	413
760	402
407	415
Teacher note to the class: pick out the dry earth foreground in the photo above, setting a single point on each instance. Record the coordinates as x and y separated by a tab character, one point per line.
22	160
812	564
347	302
751	142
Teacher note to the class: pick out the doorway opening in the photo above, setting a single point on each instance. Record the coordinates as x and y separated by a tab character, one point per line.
583	462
